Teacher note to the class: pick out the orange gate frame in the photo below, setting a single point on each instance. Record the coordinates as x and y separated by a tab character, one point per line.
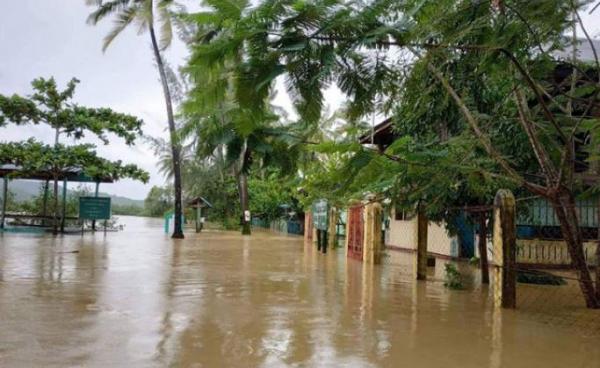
355	232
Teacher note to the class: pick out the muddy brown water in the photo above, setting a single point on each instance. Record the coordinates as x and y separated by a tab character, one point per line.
138	299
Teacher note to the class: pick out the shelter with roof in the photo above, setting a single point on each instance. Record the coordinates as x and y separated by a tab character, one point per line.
77	175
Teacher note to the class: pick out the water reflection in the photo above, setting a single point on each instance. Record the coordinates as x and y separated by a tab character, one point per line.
136	298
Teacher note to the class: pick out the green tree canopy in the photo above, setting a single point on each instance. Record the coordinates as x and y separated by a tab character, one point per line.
55	107
32	157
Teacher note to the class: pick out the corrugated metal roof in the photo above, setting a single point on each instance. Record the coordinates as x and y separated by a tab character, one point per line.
584	51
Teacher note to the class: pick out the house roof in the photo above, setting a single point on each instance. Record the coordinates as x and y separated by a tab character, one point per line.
584	50
382	134
199	202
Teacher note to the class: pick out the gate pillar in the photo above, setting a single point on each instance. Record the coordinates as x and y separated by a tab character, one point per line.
308	227
372	246
505	275
332	228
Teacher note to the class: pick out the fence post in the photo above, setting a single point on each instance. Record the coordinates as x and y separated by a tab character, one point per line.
505	274
421	254
372	237
482	246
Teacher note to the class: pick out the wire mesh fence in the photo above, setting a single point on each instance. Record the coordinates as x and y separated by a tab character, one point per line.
554	262
548	283
555	297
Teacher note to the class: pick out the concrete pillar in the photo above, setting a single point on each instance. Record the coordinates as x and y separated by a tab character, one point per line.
308	227
421	253
505	245
332	227
372	244
347	232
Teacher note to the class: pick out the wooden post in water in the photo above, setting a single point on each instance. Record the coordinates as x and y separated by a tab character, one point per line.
421	254
372	245
505	244
482	245
4	201
198	219
598	251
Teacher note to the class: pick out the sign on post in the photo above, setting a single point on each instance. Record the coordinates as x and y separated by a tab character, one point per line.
320	214
94	208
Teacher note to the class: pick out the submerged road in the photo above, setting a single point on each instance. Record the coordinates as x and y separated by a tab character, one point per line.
217	299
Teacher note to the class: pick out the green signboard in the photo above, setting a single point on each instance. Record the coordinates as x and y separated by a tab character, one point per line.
94	208
320	213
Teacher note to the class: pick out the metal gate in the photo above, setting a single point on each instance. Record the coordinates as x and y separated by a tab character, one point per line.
355	232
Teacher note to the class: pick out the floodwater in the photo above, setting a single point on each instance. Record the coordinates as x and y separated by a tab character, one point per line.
217	299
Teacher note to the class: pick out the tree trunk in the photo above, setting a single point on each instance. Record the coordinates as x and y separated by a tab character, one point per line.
482	245
598	254
221	161
175	147
243	188
564	206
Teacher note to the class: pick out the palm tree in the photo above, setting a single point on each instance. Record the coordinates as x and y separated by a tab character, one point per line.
145	14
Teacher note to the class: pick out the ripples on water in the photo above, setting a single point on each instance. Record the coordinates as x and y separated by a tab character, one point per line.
137	298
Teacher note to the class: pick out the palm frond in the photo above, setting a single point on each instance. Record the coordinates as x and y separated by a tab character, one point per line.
124	19
105	9
166	27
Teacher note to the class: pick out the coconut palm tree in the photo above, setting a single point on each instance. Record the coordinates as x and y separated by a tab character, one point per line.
145	15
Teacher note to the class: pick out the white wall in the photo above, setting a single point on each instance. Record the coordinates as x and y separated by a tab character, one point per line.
403	234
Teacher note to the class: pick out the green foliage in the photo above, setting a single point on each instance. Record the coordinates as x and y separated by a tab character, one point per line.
128	210
32	157
453	278
539	278
54	107
158	201
268	193
384	51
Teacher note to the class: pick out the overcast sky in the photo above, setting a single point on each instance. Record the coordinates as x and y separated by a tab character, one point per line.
43	38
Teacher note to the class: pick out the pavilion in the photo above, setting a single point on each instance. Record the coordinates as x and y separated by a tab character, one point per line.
10	171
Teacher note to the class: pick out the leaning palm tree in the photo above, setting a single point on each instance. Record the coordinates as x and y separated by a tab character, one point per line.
145	14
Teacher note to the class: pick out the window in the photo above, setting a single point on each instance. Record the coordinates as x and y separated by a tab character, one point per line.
402	215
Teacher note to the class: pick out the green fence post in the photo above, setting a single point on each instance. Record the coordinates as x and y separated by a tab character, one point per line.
64	206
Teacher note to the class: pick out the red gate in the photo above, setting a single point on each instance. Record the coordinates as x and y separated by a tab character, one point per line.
355	232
